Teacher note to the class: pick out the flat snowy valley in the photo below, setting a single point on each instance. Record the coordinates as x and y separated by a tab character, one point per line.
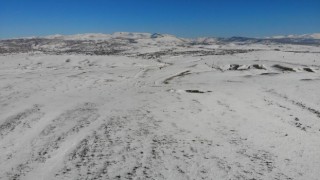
152	106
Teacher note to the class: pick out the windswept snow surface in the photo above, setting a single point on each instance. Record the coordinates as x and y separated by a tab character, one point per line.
160	110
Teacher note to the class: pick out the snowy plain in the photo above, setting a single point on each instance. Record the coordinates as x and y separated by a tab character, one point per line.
159	108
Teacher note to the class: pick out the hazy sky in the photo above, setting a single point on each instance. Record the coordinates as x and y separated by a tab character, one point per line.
185	18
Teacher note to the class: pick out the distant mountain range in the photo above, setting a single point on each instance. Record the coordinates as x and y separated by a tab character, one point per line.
303	36
99	44
306	39
133	35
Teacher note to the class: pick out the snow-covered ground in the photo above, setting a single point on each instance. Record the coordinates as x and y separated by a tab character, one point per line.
168	111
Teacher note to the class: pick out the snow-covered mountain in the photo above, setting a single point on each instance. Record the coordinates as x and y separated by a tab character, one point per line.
303	36
91	43
116	35
206	40
87	36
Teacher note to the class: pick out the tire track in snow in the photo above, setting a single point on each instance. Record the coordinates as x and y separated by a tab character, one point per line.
297	103
21	121
53	135
113	151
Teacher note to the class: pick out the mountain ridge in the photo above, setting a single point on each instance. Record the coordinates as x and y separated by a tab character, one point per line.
146	35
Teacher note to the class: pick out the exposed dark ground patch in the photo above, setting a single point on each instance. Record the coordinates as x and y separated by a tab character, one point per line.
197	91
166	81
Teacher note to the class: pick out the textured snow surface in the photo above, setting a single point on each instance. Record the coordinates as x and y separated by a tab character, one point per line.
162	112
